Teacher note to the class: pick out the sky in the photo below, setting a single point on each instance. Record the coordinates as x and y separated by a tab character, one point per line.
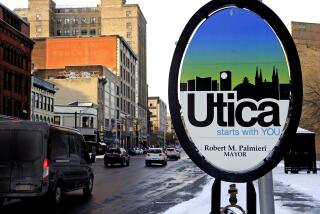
235	40
166	20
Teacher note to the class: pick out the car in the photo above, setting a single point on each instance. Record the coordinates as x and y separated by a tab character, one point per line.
116	155
173	153
156	155
38	159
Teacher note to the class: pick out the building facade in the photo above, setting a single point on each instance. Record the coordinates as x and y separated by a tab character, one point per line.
158	117
42	100
307	40
111	52
90	84
82	116
15	65
111	17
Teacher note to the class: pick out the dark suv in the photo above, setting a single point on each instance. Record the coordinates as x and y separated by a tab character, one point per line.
38	159
116	155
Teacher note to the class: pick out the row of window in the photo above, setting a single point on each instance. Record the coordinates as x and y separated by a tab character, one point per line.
13	81
127	62
42	118
75	21
127	107
14	56
40	101
125	75
77	32
126	92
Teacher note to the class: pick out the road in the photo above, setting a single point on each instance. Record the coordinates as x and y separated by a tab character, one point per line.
134	189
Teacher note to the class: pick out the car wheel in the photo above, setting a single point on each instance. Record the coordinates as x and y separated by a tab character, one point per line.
128	163
105	164
147	164
123	162
56	195
87	190
165	163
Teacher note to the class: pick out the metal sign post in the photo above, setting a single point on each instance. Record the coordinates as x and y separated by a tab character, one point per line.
266	196
236	101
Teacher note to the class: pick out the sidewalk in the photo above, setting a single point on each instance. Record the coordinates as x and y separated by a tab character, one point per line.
294	193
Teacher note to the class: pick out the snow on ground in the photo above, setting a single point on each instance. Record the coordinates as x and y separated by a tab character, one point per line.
305	183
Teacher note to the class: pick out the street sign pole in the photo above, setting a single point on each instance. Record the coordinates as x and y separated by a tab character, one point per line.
266	195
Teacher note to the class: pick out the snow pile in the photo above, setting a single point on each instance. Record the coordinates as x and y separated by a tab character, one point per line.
302	182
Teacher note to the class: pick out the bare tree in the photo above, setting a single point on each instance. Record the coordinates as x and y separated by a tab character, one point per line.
311	106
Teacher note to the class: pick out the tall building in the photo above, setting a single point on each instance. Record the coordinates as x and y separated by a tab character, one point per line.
111	52
42	100
307	39
111	17
97	85
158	117
15	65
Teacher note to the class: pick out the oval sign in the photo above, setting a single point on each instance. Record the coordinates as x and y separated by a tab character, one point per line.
235	89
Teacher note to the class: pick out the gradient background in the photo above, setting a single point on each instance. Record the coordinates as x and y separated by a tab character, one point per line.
236	40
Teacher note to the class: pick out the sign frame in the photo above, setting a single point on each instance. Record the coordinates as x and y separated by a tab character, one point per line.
295	102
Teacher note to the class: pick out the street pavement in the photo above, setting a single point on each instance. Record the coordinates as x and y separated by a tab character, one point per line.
133	189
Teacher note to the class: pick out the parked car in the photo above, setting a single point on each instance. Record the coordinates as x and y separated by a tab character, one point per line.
116	155
38	159
156	155
173	153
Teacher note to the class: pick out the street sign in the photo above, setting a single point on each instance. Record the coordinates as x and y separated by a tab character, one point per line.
235	89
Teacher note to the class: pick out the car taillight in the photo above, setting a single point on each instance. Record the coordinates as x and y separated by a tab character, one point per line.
161	154
45	166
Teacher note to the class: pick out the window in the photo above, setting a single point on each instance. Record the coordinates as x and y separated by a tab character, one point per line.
75	20
75	32
58	32
129	25
38	17
93	20
59	21
60	146
40	102
84	20
66	21
84	32
66	32
92	32
128	13
128	34
57	120
87	122
37	100
44	103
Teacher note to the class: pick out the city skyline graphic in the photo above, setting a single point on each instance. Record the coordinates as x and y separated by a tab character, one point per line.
260	89
235	40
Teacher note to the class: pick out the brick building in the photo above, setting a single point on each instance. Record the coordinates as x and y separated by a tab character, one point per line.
112	52
15	65
111	17
307	40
